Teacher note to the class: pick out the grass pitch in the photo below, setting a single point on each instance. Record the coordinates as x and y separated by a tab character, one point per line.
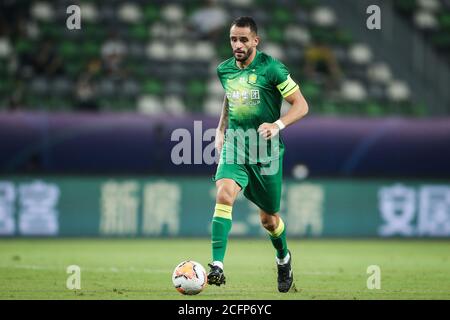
142	269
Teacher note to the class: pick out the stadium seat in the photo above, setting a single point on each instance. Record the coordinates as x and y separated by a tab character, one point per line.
42	11
172	13
425	20
360	54
175	87
160	65
275	34
151	13
152	86
274	50
323	17
130	13
139	32
157	50
282	16
213	106
353	90
174	105
61	86
149	104
379	72
5	48
89	12
398	91
297	35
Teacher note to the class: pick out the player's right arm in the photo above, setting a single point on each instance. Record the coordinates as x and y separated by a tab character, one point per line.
220	131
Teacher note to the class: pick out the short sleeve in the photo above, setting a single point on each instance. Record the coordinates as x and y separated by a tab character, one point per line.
281	78
219	75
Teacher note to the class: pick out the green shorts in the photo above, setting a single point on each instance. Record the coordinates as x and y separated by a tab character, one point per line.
261	182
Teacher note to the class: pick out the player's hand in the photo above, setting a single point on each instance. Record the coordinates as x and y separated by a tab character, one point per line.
218	142
268	130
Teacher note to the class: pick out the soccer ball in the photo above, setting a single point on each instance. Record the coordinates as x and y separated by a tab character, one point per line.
189	277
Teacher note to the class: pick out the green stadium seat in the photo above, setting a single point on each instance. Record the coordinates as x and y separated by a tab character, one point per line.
3	69
196	88
224	51
50	30
151	13
275	34
444	21
94	31
373	109
342	38
405	6
35	102
195	104
441	39
122	104
135	68
326	107
74	67
90	49
24	46
322	34
311	90
152	87
420	110
56	103
69	49
308	4
6	85
139	32
263	3
282	16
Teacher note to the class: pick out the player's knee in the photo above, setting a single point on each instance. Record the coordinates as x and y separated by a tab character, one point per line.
225	196
269	223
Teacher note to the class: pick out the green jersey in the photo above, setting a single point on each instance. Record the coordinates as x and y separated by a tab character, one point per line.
255	95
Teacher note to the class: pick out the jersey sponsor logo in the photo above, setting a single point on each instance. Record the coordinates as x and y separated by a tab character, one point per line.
255	94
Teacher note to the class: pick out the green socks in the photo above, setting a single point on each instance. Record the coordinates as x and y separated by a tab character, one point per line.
221	226
278	238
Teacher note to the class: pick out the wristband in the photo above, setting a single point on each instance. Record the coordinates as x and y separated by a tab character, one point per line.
280	124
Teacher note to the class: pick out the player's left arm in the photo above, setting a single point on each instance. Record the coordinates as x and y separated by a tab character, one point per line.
299	108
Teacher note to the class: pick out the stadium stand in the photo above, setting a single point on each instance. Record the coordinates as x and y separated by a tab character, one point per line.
432	18
160	57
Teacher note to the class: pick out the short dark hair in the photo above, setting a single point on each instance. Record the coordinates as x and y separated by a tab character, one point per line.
245	21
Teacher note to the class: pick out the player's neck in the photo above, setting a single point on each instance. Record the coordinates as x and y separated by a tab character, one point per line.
246	63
